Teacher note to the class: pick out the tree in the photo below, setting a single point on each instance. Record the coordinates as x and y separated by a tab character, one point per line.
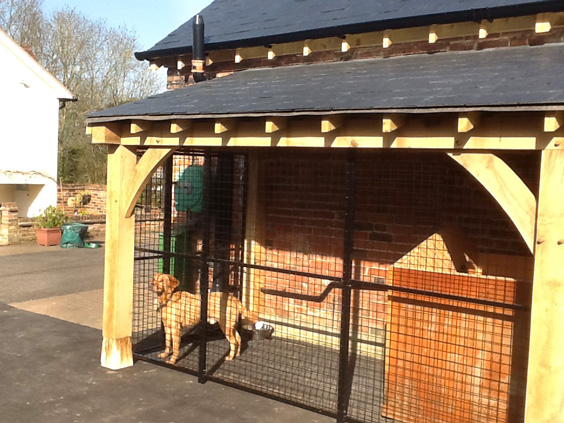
94	61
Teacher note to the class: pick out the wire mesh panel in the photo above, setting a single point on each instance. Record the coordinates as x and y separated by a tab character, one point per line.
295	247
396	287
452	324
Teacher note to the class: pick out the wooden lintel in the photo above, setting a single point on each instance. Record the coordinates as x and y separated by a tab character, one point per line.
275	124
180	125
223	125
506	187
468	121
390	123
107	133
138	126
330	123
553	121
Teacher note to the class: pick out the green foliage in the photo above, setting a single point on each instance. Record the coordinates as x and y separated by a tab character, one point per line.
52	217
94	61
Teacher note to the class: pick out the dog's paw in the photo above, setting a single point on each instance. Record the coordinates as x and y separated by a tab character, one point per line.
164	354
172	360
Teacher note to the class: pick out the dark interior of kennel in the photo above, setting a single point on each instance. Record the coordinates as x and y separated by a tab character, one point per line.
397	287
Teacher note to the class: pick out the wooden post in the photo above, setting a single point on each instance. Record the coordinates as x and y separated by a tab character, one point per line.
118	276
545	385
255	253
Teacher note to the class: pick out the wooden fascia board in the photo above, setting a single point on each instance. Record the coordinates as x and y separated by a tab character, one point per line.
438	131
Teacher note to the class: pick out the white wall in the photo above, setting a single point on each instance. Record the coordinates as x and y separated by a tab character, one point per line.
29	131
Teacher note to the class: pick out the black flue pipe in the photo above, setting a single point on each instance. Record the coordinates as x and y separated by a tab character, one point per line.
198	52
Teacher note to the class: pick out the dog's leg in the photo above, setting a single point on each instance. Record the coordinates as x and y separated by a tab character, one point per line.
168	340
234	343
175	344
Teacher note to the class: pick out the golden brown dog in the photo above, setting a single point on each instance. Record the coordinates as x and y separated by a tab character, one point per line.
181	309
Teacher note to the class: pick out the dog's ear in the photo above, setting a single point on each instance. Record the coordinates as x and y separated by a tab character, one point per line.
172	281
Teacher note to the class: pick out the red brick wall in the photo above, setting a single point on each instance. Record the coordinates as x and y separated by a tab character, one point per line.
402	198
97	205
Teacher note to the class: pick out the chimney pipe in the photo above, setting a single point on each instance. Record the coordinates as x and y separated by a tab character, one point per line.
198	52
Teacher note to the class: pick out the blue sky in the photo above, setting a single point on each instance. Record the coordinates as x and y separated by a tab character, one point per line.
151	20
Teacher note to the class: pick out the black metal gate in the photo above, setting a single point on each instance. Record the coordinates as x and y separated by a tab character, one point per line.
378	317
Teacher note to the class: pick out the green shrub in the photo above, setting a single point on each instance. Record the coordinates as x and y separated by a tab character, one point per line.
52	217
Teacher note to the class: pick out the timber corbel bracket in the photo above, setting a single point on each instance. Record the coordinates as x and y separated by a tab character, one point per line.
142	172
506	187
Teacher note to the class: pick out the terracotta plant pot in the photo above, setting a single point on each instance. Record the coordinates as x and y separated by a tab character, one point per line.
48	236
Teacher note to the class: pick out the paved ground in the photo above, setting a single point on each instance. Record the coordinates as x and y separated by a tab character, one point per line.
50	315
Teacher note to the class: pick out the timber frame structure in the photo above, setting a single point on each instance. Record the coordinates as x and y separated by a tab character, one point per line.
474	136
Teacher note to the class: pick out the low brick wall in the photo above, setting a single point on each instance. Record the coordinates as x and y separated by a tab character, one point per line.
15	230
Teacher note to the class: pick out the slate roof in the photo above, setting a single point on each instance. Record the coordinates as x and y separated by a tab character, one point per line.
501	78
244	23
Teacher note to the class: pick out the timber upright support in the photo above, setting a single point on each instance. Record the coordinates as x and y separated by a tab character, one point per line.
118	275
545	386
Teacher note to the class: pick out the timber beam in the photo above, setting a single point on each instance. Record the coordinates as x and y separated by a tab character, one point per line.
438	131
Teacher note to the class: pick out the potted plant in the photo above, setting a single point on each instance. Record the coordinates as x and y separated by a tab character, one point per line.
48	226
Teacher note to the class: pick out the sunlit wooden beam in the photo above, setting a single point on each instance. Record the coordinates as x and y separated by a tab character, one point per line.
177	126
274	124
390	123
138	126
468	121
223	125
330	123
553	121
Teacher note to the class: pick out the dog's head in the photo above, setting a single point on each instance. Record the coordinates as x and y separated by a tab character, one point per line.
164	285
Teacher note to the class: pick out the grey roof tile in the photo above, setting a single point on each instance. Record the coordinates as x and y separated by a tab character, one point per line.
236	23
500	78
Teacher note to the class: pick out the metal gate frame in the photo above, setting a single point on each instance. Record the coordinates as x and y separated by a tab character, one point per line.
347	284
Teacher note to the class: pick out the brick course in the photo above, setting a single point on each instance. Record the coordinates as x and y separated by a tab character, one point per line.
180	78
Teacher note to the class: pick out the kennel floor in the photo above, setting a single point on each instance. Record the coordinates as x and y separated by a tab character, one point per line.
300	373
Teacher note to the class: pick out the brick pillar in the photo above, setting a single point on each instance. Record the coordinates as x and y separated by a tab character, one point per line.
9	228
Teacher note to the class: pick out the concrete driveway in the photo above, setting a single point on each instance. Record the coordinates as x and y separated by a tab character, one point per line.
50	320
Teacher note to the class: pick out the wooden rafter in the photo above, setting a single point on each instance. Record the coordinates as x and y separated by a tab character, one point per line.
274	124
330	123
391	123
468	121
553	121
